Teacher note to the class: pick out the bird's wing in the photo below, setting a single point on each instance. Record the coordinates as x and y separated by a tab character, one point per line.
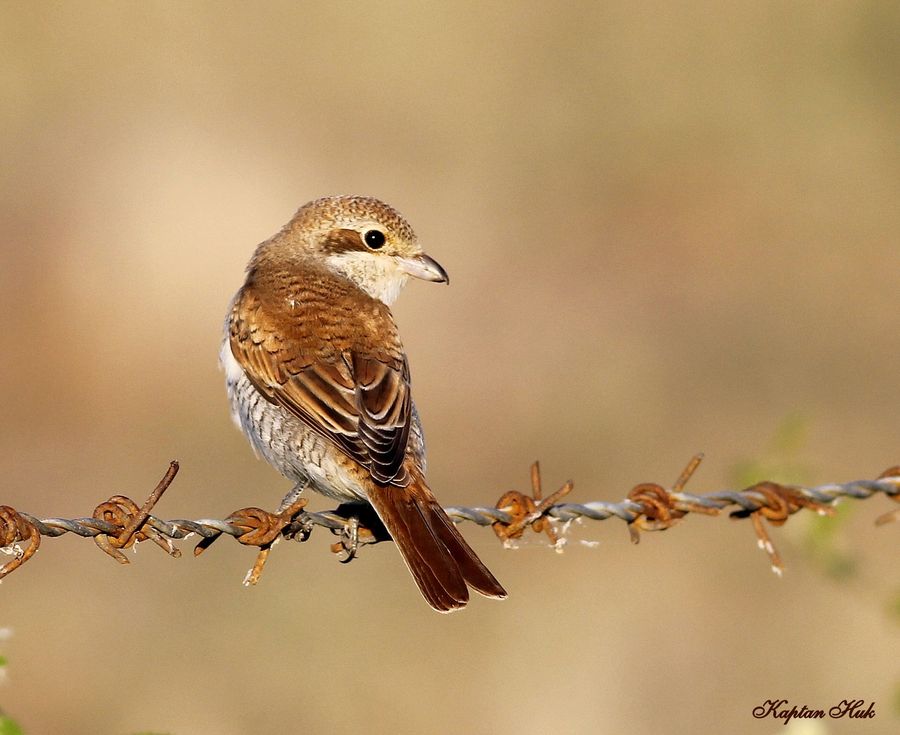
346	378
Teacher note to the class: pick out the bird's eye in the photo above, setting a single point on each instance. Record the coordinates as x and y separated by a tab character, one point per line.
374	239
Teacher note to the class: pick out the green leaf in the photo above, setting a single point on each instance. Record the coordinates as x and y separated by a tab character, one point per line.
9	727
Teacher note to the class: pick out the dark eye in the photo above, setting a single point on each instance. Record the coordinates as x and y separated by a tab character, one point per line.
374	239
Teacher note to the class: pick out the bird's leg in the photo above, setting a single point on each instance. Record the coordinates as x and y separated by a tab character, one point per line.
300	528
292	496
361	526
347	547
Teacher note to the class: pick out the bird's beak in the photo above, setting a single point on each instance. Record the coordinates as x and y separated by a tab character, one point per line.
424	267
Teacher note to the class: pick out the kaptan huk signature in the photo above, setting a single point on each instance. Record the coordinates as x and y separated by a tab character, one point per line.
782	709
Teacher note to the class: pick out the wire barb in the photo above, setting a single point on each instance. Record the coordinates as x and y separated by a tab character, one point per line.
527	511
13	529
119	523
894	515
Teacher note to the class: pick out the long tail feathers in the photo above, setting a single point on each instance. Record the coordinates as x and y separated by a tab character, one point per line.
440	560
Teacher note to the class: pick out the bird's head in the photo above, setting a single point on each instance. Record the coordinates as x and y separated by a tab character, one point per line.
362	239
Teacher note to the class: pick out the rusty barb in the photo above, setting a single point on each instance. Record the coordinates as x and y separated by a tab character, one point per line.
525	511
651	507
119	523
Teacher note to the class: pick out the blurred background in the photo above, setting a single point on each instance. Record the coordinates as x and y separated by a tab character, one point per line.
668	230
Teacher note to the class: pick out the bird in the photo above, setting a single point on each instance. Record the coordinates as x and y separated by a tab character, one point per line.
319	382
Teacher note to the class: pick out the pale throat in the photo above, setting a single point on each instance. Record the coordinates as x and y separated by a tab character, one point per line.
377	275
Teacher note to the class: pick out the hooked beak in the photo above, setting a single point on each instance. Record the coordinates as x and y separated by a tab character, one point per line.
424	267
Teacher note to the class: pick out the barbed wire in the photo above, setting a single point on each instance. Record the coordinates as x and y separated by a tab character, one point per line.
119	523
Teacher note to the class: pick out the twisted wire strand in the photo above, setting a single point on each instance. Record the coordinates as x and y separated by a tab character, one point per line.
176	529
119	523
628	510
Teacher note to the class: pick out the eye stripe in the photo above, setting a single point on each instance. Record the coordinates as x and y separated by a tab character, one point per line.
343	241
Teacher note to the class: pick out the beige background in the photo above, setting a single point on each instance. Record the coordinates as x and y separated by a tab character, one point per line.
667	230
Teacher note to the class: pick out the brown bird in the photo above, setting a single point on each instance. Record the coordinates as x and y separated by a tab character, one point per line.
320	384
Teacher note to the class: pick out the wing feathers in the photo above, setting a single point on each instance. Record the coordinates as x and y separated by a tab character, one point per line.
355	393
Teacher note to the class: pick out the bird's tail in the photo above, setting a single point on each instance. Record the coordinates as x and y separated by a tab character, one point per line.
442	563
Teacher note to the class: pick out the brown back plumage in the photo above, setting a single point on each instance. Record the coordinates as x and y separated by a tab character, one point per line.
299	339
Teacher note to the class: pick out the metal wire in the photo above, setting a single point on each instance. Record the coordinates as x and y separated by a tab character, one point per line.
629	510
118	523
